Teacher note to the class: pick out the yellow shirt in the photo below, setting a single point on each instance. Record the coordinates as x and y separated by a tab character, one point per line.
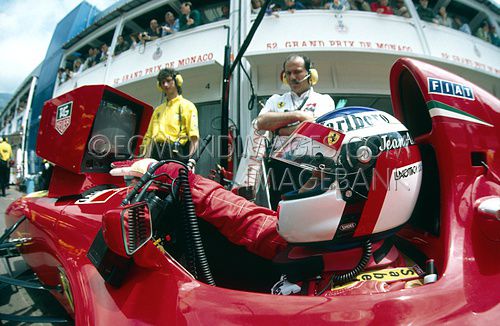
175	120
5	151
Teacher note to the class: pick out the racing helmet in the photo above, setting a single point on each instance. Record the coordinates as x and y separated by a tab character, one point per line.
362	176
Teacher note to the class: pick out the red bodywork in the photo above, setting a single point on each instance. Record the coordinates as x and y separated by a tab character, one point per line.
465	245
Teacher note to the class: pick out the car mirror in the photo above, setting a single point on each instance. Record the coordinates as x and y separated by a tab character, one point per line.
487	209
128	228
490	207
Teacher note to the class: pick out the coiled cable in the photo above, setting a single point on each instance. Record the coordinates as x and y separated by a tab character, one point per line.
194	242
349	276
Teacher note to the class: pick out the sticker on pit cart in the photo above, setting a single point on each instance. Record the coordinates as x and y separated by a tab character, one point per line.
63	117
98	197
448	88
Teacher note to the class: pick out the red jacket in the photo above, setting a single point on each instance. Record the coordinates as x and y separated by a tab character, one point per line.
239	220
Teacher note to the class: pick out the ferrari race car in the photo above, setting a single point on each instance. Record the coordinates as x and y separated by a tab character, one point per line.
113	252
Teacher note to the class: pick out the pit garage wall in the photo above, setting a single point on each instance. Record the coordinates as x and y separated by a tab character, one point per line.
209	124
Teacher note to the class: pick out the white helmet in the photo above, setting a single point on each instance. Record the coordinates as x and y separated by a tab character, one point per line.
363	178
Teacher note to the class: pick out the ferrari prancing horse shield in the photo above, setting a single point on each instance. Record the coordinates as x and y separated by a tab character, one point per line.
63	117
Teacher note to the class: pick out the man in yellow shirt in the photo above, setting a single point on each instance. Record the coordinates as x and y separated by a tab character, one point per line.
5	154
173	129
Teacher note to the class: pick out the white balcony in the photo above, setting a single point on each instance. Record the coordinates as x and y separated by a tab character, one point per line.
357	57
198	54
352	51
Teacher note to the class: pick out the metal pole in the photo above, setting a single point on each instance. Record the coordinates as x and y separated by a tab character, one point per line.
224	128
227	72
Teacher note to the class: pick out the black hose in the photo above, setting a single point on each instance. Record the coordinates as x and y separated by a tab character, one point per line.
193	235
10	230
349	276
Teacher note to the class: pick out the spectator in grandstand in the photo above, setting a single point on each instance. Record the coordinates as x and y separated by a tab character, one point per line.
190	17
171	24
338	5
60	76
425	13
91	58
495	40
401	9
360	5
483	32
22	106
463	27
292	5
256	6
225	12
67	74
273	9
77	66
134	39
152	33
442	17
382	7
97	55
315	4
121	45
103	57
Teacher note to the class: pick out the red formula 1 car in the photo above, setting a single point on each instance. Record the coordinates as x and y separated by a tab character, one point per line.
94	241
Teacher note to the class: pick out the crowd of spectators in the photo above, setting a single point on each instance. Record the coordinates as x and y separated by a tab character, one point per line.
338	5
191	17
94	56
486	31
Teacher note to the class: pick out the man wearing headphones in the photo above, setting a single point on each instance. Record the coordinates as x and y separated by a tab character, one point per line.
173	129
283	113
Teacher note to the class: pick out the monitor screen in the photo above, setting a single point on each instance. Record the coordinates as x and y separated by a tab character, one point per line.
114	127
114	134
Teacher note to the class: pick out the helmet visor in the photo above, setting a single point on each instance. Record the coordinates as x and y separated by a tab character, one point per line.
311	146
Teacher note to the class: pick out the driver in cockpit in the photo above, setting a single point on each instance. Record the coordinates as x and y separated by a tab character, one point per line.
334	235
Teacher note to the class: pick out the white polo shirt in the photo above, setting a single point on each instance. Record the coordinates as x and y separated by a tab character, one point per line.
311	101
